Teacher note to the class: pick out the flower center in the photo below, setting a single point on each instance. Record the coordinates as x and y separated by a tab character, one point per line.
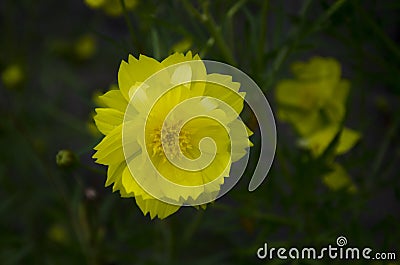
163	140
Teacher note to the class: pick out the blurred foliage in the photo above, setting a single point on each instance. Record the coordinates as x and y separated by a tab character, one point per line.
58	53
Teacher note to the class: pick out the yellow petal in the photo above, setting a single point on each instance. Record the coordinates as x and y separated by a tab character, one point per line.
114	173
176	58
320	140
131	187
347	140
223	80
291	93
108	119
317	69
240	143
203	127
109	150
125	80
140	100
304	122
156	207
114	99
338	179
335	107
136	71
225	90
182	75
197	70
144	67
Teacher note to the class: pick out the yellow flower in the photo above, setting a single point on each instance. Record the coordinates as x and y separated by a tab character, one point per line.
111	7
338	179
157	129
314	103
94	3
85	47
315	98
12	76
320	139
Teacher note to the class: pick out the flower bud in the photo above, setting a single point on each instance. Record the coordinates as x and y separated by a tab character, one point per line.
65	158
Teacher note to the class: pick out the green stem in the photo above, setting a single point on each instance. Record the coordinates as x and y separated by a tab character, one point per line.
92	169
165	229
284	52
299	34
230	32
379	159
263	32
213	28
324	17
193	226
130	25
235	8
215	31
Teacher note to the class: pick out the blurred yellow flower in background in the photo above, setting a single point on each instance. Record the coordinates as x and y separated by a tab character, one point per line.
183	45
85	47
338	178
58	233
12	76
111	7
318	141
314	103
316	97
95	3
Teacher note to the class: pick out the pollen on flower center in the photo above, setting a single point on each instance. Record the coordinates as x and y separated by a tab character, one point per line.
165	139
